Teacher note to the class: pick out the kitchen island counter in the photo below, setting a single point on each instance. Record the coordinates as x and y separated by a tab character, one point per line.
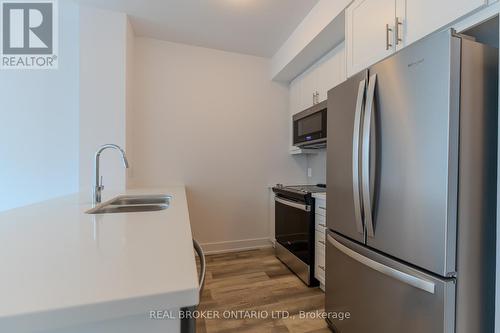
67	271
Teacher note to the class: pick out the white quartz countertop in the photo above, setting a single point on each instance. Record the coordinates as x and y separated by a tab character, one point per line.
321	195
61	267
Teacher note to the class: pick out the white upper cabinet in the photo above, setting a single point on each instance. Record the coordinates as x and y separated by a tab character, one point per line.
369	32
295	96
312	86
294	107
331	71
308	86
377	28
426	16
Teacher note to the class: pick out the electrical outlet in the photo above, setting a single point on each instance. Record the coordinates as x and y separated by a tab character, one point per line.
309	172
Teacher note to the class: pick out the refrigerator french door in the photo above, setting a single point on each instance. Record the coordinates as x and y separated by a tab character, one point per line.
411	196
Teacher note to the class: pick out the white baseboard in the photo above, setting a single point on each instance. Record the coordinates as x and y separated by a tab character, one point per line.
235	246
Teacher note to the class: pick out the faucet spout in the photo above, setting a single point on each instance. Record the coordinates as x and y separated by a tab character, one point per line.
98	186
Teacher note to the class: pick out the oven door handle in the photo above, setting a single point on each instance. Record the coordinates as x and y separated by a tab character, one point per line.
293	204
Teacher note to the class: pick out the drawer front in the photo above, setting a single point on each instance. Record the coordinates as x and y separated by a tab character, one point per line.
320	223
320	207
319	256
320	239
319	269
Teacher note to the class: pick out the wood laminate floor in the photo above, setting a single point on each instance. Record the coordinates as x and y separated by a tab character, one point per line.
242	282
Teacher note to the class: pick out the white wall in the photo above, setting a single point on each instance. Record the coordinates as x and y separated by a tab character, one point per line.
211	120
39	124
103	40
129	87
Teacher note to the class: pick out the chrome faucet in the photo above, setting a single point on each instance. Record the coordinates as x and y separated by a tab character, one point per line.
98	187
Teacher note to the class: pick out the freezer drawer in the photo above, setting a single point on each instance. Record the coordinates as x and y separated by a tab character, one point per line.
383	295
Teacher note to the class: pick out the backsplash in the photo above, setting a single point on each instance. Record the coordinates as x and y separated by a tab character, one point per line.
317	165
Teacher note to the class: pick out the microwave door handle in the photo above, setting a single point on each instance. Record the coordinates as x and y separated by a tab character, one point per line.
366	178
293	204
355	156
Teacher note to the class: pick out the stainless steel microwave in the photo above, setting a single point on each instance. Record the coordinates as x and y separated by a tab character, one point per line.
309	127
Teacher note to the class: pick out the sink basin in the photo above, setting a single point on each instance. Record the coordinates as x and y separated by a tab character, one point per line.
127	209
140	200
132	204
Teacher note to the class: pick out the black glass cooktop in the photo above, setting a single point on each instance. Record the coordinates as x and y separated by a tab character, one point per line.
299	191
319	188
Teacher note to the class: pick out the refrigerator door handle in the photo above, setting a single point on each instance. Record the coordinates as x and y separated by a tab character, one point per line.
406	278
365	159
355	156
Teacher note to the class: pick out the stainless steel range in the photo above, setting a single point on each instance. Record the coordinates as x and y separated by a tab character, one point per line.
294	228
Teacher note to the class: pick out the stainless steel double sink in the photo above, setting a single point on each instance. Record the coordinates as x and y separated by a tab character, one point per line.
132	204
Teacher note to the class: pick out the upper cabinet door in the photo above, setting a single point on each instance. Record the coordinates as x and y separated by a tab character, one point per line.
309	86
426	16
294	107
331	71
369	32
295	95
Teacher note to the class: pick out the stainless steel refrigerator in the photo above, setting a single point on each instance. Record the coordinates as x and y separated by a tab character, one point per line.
411	198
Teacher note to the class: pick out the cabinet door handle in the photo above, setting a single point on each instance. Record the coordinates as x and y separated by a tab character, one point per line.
399	28
388	31
315	98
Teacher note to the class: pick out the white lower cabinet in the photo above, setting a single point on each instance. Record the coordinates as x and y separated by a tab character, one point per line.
320	242
319	258
320	209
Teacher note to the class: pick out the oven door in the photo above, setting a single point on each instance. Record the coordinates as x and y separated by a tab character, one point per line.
293	227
